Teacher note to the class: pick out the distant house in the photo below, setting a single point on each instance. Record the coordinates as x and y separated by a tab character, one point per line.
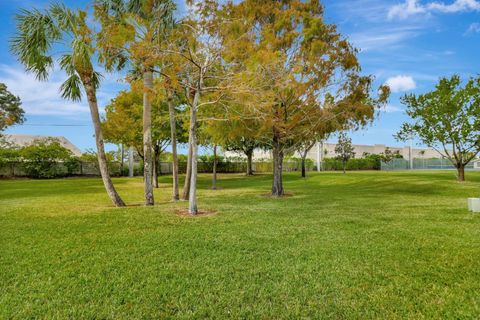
22	140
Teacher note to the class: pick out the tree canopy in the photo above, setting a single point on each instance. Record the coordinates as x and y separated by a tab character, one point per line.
11	112
446	119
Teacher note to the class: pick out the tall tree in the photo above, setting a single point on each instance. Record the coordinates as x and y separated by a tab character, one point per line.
123	123
344	149
296	59
446	119
135	31
203	77
35	44
10	109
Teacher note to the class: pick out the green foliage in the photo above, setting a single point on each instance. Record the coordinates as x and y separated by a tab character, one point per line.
35	43
344	149
10	109
309	163
372	162
9	154
446	119
42	159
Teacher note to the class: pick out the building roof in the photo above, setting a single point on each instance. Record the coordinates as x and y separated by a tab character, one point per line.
23	140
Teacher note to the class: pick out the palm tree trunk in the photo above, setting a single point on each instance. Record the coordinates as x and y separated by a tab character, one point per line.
214	176
130	162
147	138
102	159
173	133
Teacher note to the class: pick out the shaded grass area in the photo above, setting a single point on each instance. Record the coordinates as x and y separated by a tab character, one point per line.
360	245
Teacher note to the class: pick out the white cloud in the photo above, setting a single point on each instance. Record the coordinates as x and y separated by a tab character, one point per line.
401	83
39	97
392	109
44	98
380	39
406	9
473	28
456	6
414	7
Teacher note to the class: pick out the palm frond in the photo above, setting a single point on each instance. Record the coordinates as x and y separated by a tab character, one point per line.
36	34
71	88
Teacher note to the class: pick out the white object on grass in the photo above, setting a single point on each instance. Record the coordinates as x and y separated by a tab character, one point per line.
474	204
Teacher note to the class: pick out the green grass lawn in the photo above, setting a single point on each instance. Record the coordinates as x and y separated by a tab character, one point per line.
361	245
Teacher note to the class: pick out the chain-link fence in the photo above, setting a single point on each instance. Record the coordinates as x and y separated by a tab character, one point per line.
421	164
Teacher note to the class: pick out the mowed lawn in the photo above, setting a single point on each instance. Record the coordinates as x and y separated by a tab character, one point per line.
361	245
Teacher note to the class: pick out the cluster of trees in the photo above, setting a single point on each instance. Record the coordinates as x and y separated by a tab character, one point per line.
240	75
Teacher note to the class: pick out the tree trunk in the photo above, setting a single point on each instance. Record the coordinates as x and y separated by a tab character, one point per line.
192	197
122	156
188	174
130	162
277	186
102	159
303	165
147	138
156	155
173	133
344	166
461	172
249	155
214	177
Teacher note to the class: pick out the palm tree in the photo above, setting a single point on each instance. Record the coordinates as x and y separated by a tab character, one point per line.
143	26
39	35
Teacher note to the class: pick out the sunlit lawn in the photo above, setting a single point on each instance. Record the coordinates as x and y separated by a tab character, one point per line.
361	245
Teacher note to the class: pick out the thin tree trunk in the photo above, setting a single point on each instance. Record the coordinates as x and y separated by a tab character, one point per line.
249	154
122	155
192	199
147	138
188	174
304	174
461	172
156	155
173	133
344	166
277	186
214	177
102	159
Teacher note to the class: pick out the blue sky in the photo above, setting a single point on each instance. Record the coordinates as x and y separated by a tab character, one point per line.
408	44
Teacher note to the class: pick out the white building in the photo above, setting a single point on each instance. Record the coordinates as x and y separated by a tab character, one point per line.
22	140
327	150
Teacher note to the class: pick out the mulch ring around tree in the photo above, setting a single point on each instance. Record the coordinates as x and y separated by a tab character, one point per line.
201	213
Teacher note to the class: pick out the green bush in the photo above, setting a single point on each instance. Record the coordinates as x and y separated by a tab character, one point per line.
368	163
45	159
